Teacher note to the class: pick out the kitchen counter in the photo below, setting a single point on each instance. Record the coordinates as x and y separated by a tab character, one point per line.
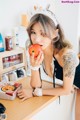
18	110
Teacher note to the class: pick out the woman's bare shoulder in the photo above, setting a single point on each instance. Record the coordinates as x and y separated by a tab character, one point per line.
70	56
69	52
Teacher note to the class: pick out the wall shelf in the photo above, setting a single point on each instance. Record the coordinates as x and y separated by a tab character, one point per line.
21	63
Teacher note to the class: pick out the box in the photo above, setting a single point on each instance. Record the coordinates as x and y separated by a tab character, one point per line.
8	91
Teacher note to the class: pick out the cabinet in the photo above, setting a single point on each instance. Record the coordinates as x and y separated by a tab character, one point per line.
12	61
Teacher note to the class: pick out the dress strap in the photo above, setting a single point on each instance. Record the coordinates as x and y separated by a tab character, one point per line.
54	75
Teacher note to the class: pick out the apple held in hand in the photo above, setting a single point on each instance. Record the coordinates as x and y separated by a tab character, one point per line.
35	48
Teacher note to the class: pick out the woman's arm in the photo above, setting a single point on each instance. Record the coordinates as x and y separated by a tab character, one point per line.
35	79
35	75
70	62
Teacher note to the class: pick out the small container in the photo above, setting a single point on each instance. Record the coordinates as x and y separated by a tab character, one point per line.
3	115
14	59
11	60
6	62
17	60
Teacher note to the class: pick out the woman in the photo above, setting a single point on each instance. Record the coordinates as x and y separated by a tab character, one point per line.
57	57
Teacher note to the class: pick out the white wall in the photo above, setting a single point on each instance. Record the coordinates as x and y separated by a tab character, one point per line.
78	35
11	10
67	14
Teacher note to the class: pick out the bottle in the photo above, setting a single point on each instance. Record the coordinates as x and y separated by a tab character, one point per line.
22	36
16	37
1	43
17	59
8	42
5	78
17	42
11	60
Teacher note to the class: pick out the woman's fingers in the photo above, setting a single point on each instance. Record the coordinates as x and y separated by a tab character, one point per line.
24	94
32	57
19	94
38	59
42	57
39	56
24	98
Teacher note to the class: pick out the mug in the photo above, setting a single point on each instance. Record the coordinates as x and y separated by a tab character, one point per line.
13	76
21	72
24	72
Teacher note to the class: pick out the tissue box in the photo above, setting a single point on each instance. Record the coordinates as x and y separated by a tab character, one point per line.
9	91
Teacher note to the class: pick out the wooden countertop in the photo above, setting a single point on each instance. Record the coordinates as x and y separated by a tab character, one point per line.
18	110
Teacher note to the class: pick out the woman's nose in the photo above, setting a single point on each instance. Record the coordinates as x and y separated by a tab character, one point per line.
38	39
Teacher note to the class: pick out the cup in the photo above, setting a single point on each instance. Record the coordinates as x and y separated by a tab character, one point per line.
13	76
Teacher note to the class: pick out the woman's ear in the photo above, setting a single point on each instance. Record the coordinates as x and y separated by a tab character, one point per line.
56	32
56	36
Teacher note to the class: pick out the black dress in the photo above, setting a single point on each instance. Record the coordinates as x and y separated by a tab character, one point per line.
58	71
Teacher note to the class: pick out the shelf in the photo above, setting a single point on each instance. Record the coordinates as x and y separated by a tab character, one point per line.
12	68
10	53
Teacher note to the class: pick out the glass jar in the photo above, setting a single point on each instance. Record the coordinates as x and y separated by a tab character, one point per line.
8	43
6	62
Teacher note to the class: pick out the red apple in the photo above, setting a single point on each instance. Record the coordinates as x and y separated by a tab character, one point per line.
35	48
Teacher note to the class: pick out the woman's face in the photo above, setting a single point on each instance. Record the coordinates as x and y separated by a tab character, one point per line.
38	36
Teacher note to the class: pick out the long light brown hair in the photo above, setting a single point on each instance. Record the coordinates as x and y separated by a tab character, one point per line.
48	24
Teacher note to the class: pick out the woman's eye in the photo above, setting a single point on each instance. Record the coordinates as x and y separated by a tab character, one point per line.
32	32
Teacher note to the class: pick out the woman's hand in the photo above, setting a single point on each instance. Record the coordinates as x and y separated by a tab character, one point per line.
38	60
24	93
